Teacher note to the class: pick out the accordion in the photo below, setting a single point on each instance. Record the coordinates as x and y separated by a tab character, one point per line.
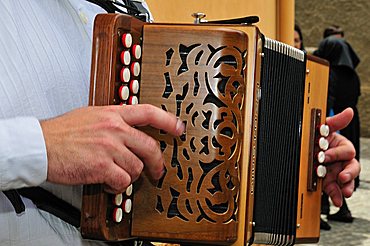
248	169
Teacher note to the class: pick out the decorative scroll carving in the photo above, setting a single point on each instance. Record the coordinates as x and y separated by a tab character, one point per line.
200	77
206	164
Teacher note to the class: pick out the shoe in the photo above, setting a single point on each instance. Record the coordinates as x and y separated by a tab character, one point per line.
325	205
357	182
341	216
325	208
324	225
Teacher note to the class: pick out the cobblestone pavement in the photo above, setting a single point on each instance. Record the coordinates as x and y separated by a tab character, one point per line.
358	232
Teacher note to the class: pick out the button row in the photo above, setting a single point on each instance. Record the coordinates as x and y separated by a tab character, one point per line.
125	56
127	205
118	212
126	72
324	145
122	205
130	71
125	90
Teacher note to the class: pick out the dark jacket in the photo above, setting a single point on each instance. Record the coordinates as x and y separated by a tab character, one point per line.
344	83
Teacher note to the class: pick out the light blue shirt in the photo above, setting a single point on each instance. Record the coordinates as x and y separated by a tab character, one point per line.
45	49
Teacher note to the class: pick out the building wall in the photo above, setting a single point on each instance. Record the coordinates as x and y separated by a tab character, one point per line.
354	17
180	11
276	20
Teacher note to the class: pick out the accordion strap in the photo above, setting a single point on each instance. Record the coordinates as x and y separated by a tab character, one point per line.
15	200
48	202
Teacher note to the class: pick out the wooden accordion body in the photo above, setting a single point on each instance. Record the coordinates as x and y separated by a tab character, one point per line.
245	171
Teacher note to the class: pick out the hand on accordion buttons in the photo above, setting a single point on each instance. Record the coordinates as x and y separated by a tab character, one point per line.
99	145
342	167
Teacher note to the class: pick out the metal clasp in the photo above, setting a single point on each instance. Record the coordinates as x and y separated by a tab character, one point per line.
198	16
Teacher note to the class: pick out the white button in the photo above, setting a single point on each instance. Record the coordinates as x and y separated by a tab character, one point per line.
324	130
118	199
125	75
125	57
133	100
321	157
323	143
135	68
321	171
127	40
128	206
124	92
129	190
117	215
136	50
134	86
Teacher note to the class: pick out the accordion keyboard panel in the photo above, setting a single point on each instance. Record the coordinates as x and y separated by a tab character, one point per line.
115	76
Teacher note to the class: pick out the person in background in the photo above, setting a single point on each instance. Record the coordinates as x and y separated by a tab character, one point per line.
344	91
334	31
298	38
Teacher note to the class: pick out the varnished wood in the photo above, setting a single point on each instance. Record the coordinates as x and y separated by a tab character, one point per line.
148	221
103	91
189	180
285	21
214	45
309	203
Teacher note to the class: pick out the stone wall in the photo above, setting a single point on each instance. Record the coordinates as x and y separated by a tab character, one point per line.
354	17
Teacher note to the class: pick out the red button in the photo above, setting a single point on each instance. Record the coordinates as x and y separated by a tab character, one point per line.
127	40
136	51
123	92
117	215
135	69
133	100
125	57
125	75
134	86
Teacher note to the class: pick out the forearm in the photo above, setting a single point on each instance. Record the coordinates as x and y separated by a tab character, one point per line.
23	160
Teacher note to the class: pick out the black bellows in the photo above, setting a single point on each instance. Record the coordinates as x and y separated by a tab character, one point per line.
279	141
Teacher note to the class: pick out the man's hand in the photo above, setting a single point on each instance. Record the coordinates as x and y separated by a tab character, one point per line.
99	145
342	167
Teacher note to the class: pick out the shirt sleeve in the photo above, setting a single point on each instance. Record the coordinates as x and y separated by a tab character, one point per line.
23	159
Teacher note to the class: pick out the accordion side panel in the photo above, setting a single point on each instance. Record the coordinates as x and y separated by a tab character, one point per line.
105	64
250	130
199	76
98	208
309	202
248	230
